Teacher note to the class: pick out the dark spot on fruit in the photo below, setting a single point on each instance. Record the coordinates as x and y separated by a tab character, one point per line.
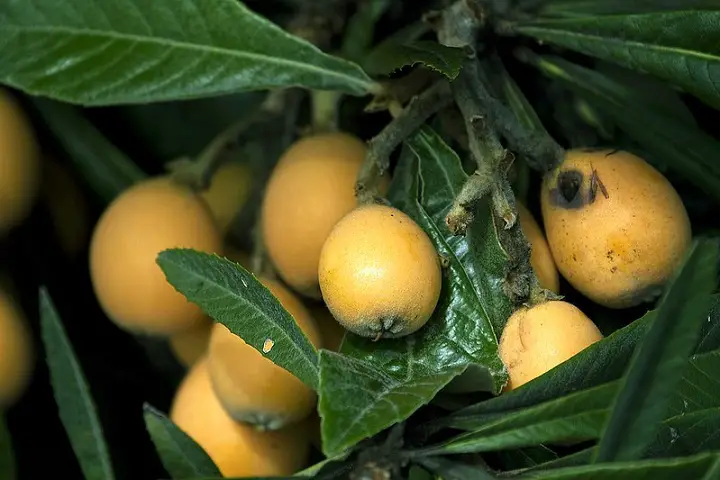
613	269
567	192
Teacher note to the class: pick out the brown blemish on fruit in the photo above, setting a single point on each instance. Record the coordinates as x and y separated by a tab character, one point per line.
567	192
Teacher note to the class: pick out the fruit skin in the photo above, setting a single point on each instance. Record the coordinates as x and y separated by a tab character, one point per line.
238	449
228	192
541	258
250	386
149	217
380	275
20	169
539	338
17	355
311	188
190	345
618	251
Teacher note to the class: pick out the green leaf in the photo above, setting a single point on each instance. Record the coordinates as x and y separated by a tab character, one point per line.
710	334
180	455
103	166
72	395
432	55
699	388
358	400
687	434
578	416
701	467
451	470
680	47
234	297
134	51
679	146
660	360
361	27
526	457
7	455
591	8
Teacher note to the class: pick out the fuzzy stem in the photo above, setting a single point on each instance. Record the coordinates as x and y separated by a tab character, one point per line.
380	147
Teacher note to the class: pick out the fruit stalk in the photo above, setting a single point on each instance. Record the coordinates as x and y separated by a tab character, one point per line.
380	147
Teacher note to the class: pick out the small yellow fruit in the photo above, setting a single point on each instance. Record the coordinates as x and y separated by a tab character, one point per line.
191	344
540	257
66	205
227	193
616	227
310	190
537	339
331	331
149	217
16	351
19	163
238	449
249	385
379	272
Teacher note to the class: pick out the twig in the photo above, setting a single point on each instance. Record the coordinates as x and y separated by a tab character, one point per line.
380	147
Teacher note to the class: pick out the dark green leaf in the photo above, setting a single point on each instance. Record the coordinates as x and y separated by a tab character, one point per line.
361	26
432	55
582	457
701	467
234	297
328	468
418	473
180	455
710	334
133	51
578	416
515	98
591	8
72	395
660	360
699	388
680	47
679	146
450	470
103	166
687	434
527	457
358	400
7	455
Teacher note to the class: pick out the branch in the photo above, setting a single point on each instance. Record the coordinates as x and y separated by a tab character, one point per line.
380	147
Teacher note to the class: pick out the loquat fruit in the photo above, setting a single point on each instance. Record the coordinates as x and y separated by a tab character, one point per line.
310	190
16	351
237	449
541	258
20	170
228	192
616	227
149	217
249	385
379	273
537	339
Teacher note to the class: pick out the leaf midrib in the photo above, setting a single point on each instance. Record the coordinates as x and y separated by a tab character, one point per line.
627	42
191	46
